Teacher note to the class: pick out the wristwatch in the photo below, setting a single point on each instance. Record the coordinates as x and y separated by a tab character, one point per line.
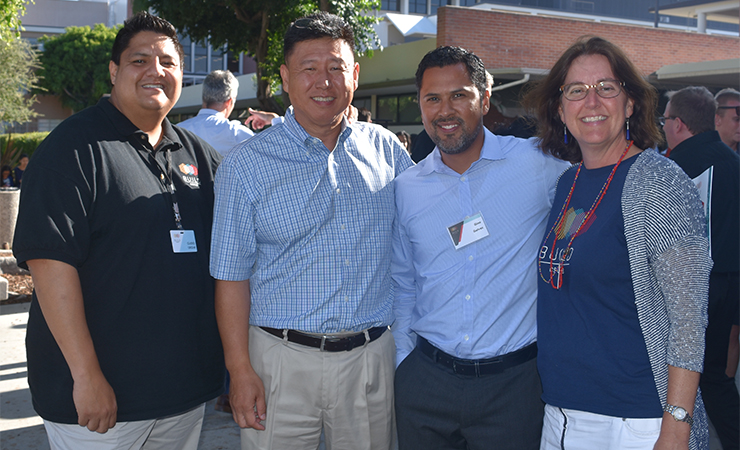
679	414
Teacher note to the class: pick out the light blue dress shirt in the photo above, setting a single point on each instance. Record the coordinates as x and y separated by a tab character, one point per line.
478	301
211	126
310	228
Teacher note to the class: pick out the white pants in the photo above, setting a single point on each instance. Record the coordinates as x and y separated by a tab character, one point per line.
348	394
180	432
568	429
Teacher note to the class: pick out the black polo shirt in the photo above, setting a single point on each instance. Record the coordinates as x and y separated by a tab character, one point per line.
695	155
93	198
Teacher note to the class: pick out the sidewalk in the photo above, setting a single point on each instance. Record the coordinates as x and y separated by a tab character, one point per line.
22	429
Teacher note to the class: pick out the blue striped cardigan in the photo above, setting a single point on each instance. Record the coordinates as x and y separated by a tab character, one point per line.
665	229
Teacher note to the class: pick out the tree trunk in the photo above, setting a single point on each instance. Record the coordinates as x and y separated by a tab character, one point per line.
264	94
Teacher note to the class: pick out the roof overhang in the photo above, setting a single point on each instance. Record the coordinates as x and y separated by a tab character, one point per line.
727	11
721	74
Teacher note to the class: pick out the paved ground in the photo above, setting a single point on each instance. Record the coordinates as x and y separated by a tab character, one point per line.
22	429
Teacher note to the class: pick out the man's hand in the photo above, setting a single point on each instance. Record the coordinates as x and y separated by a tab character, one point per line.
95	402
259	119
247	399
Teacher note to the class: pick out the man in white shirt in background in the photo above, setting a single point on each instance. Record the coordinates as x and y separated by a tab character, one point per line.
212	123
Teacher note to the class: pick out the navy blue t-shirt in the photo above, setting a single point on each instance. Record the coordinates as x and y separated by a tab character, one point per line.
592	355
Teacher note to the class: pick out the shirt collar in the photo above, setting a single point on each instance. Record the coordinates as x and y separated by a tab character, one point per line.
209	112
491	151
310	141
126	128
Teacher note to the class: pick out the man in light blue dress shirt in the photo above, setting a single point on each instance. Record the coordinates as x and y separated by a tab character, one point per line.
470	218
212	123
301	256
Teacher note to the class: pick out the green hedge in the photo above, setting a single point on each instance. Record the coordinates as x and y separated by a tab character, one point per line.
19	144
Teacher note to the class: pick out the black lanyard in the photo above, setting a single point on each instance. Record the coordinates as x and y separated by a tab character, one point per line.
165	178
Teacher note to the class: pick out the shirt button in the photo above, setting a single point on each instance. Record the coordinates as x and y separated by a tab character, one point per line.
467	297
344	227
462	178
466	337
346	298
470	258
346	262
338	190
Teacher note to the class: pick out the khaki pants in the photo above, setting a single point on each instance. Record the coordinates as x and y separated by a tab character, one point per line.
348	394
180	432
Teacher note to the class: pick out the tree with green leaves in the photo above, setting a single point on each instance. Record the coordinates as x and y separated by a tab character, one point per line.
74	65
10	18
256	27
18	64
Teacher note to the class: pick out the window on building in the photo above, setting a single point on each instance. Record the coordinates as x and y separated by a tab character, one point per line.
468	2
390	5
185	41
200	59
398	109
436	4
218	55
418	6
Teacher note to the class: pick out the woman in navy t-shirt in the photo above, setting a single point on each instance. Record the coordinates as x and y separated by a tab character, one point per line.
623	267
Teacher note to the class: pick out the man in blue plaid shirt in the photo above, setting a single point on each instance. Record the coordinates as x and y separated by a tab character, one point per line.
301	253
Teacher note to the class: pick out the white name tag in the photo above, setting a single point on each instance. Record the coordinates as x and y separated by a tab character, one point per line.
470	230
183	241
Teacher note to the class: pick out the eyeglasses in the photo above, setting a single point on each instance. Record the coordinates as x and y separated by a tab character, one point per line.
662	119
736	108
578	91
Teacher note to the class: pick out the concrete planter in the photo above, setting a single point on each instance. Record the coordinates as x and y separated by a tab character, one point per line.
9	198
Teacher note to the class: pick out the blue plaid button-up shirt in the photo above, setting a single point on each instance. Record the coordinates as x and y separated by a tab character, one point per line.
310	228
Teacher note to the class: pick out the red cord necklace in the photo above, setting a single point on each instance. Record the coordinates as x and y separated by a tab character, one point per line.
556	280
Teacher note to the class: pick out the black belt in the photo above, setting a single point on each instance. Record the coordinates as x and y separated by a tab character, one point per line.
477	367
329	343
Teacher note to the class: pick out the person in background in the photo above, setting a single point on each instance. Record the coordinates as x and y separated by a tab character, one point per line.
470	217
301	254
7	177
689	120
623	267
727	118
364	115
212	123
114	224
18	171
405	139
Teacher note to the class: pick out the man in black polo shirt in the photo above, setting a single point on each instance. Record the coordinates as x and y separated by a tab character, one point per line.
114	224
697	148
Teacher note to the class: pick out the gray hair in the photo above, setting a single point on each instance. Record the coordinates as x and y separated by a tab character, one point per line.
219	86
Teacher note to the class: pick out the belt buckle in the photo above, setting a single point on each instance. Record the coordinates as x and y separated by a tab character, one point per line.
323	342
367	338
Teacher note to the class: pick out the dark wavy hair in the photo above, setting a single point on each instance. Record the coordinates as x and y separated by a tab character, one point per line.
143	21
544	98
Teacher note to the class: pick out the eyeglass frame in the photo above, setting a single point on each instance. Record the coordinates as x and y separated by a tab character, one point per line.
736	108
592	86
662	119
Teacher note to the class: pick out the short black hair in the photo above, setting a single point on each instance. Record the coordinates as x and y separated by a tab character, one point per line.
316	26
143	21
451	56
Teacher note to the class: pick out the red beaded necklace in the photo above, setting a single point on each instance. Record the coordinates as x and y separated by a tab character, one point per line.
557	282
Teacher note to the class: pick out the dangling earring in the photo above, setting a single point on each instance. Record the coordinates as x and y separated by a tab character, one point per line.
628	128
565	134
